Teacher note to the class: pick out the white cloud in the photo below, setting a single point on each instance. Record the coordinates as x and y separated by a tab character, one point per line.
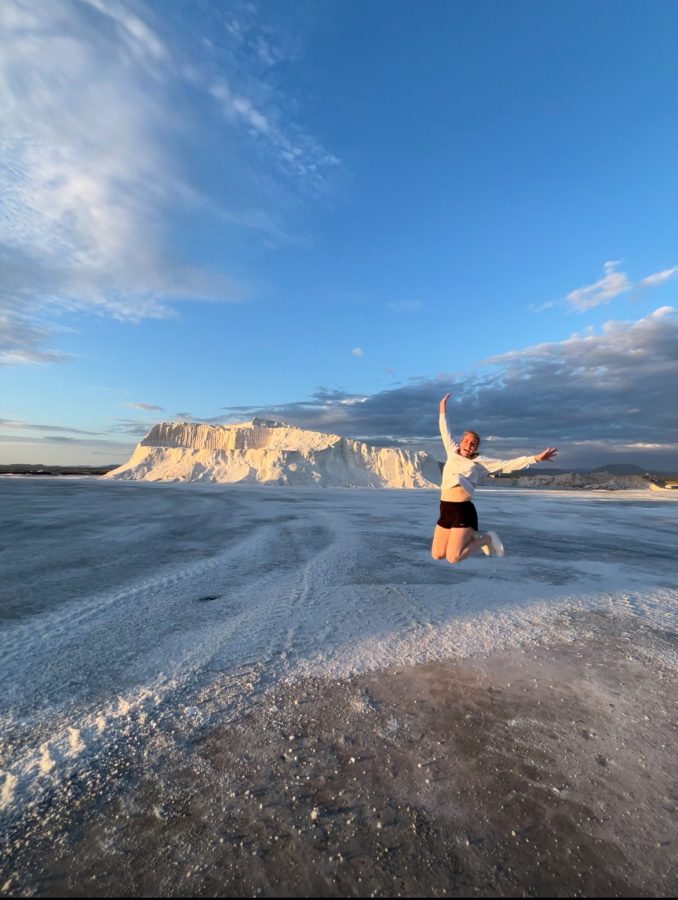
611	285
358	351
144	406
240	107
295	152
31	426
21	340
98	157
139	37
659	277
86	176
662	311
405	306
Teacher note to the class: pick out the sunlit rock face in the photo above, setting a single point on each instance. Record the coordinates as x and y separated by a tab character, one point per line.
272	453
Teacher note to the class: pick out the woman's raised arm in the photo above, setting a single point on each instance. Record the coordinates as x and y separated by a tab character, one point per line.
448	441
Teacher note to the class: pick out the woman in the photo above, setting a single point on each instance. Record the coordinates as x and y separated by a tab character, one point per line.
456	536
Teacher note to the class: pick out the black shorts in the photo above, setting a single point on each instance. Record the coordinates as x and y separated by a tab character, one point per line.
458	515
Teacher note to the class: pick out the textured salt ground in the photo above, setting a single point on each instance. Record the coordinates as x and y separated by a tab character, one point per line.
546	771
116	665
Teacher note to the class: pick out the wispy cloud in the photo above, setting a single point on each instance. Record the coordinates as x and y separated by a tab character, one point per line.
611	285
21	341
251	99
86	172
659	277
358	351
296	153
86	446
405	306
144	406
98	159
135	427
16	425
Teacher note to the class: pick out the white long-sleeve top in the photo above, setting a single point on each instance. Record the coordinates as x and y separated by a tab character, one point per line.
462	472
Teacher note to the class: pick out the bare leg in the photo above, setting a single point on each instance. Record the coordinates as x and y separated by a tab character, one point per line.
439	546
464	542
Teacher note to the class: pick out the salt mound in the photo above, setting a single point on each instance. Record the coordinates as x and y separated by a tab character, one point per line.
271	452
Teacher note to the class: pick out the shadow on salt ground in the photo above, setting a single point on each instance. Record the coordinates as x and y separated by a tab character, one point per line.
545	772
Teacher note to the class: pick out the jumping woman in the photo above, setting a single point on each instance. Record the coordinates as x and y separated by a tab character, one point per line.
456	536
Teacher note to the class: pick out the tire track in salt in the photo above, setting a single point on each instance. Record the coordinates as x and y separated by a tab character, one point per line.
292	601
45	746
17	638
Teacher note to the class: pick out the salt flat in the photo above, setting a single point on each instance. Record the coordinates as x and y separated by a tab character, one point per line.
139	622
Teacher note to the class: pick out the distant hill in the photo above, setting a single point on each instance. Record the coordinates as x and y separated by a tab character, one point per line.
42	469
620	469
609	468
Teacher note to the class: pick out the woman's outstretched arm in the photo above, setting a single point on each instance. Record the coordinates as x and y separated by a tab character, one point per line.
519	462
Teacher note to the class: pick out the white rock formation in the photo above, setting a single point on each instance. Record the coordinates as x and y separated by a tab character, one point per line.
262	451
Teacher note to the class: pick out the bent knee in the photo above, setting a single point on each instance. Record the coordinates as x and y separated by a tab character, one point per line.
437	555
453	558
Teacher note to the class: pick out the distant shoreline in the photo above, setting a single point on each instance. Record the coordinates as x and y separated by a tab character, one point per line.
38	469
559	480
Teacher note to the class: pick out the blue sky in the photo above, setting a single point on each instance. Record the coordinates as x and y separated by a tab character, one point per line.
331	213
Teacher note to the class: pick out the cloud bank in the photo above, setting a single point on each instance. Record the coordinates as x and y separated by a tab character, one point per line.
604	394
600	396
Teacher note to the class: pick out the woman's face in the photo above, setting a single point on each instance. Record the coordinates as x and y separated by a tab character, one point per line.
468	445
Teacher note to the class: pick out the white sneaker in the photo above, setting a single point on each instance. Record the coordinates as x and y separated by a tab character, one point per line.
495	544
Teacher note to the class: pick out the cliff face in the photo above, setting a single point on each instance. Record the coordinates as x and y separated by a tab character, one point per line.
259	434
268	452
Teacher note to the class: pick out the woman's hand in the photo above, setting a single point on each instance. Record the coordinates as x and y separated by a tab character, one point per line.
547	454
443	403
